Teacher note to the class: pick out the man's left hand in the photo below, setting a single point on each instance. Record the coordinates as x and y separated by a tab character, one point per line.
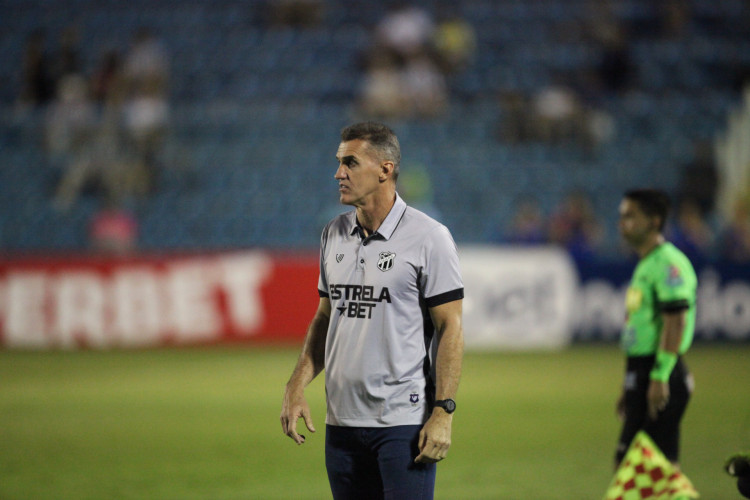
435	438
658	397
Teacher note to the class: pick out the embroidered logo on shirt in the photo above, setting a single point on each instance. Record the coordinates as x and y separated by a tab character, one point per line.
674	278
633	299
414	398
339	257
385	262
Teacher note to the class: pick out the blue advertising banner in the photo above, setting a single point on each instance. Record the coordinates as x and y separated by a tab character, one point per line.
723	301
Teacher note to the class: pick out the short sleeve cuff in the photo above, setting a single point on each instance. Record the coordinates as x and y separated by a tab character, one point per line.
674	306
444	298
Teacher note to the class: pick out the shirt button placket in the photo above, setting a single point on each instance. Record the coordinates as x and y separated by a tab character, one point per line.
361	259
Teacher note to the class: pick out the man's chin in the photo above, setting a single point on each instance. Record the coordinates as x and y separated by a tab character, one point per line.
628	240
345	200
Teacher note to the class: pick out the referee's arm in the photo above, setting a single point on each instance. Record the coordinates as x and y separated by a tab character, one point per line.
310	363
669	342
435	438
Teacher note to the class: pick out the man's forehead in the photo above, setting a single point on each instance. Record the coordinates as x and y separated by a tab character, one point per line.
356	147
630	206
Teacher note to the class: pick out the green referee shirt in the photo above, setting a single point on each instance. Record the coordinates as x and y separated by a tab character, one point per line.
663	281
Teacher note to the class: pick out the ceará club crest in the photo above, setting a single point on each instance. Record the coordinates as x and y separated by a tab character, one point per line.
385	261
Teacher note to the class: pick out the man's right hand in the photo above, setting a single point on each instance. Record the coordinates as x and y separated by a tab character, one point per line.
293	408
620	406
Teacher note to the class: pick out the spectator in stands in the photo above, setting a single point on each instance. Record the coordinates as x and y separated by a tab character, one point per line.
147	65
414	88
382	93
296	13
515	124
107	79
405	30
113	230
699	179
615	70
734	239
70	122
558	114
674	16
454	40
66	59
575	227
146	73
527	225
424	86
38	86
402	79
126	169
691	232
91	147
415	187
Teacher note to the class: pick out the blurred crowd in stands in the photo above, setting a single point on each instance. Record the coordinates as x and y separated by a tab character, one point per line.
409	59
105	127
103	130
575	226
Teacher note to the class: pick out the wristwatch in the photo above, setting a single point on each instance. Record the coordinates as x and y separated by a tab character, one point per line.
446	404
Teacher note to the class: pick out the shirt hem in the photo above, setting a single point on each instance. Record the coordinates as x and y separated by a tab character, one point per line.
373	422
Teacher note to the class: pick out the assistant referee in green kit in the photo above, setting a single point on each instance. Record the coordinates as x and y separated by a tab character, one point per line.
660	304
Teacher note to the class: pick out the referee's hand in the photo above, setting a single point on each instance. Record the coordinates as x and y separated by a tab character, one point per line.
658	397
620	406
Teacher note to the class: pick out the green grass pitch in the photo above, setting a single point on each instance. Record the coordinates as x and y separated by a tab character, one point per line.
204	424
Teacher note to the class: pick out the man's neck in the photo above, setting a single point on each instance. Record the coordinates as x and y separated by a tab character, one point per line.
371	216
649	245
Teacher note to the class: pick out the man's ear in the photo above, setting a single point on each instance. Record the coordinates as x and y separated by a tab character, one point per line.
386	170
657	222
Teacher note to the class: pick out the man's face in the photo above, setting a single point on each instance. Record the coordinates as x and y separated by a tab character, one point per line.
359	174
635	226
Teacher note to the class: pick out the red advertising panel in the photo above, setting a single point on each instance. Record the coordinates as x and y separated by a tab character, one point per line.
70	302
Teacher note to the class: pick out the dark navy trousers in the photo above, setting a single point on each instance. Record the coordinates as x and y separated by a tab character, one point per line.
366	463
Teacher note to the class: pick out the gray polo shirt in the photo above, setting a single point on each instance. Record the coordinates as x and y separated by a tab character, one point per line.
379	353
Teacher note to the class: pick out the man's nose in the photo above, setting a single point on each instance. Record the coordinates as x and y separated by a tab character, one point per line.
340	173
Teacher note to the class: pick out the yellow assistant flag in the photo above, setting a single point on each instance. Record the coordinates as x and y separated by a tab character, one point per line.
645	473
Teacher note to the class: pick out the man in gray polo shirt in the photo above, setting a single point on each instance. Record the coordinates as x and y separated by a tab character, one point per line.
387	332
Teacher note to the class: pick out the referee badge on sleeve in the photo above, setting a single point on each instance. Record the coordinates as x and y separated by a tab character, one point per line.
674	278
385	262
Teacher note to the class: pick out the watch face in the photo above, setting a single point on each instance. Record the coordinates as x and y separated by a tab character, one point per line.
448	405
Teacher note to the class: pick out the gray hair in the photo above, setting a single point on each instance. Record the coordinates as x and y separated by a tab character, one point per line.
380	137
